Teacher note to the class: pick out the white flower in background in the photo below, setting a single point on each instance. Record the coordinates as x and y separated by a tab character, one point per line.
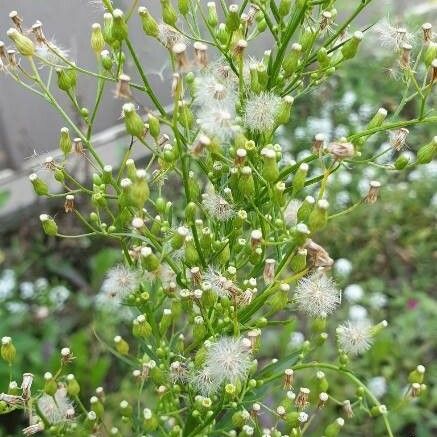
303	154
107	304
358	313
260	112
363	186
342	198
290	213
41	284
378	386
348	99
218	121
320	126
343	267
296	339
393	37
366	110
354	337
121	281
58	295
317	295
27	290
378	300
300	133
57	408
340	131
217	207
343	177
8	283
353	293
17	307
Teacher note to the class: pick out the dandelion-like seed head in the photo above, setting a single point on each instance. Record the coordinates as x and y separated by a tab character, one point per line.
204	382
217	207
393	37
260	112
219	284
228	359
208	88
398	139
57	408
317	295
169	36
218	121
354	337
290	213
121	281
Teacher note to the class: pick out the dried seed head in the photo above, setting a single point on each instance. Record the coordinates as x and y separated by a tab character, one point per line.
122	90
78	146
269	270
405	55
16	19
288	379
302	397
318	256
180	52
200	50
341	150
240	47
69	203
372	195
38	33
318	143
427	32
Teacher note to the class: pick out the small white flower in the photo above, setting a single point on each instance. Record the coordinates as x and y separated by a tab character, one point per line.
27	290
290	213
217	207
354	337
260	112
7	283
296	339
378	386
57	408
343	266
121	281
357	313
353	293
378	300
317	295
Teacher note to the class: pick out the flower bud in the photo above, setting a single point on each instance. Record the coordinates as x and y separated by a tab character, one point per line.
150	422
154	127
149	260
133	122
305	209
318	216
350	48
141	327
299	260
169	14
150	26
246	184
73	387
333	429
48	224
291	61
97	41
299	178
430	53
119	29
23	44
402	161
417	375
39	186
212	17
233	18
427	152
121	345
8	351
50	384
65	142
67	78
284	112
184	6
270	167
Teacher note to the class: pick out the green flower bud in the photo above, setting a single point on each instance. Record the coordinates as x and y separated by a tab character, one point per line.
299	260
261	25
166	320
284	7
8	351
222	33
246	184
233	18
430	53
154	127
212	17
169	14
141	327
318	216
50	384
291	61
97	41
106	60
417	375
376	121
350	47
133	122
427	152
107	28
184	6
151	422
191	255
284	113
333	429
149	260
270	167
307	38
402	161
65	144
240	418
121	345
178	237
150	26
73	387
299	178
119	30
305	209
199	328
23	44
67	78
97	406
126	409
323	57
278	193
48	224
378	410
279	299
39	186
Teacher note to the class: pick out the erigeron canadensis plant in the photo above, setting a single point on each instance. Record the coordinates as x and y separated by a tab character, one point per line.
218	232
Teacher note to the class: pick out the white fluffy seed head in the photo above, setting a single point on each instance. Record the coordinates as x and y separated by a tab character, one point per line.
317	295
354	337
261	111
121	281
